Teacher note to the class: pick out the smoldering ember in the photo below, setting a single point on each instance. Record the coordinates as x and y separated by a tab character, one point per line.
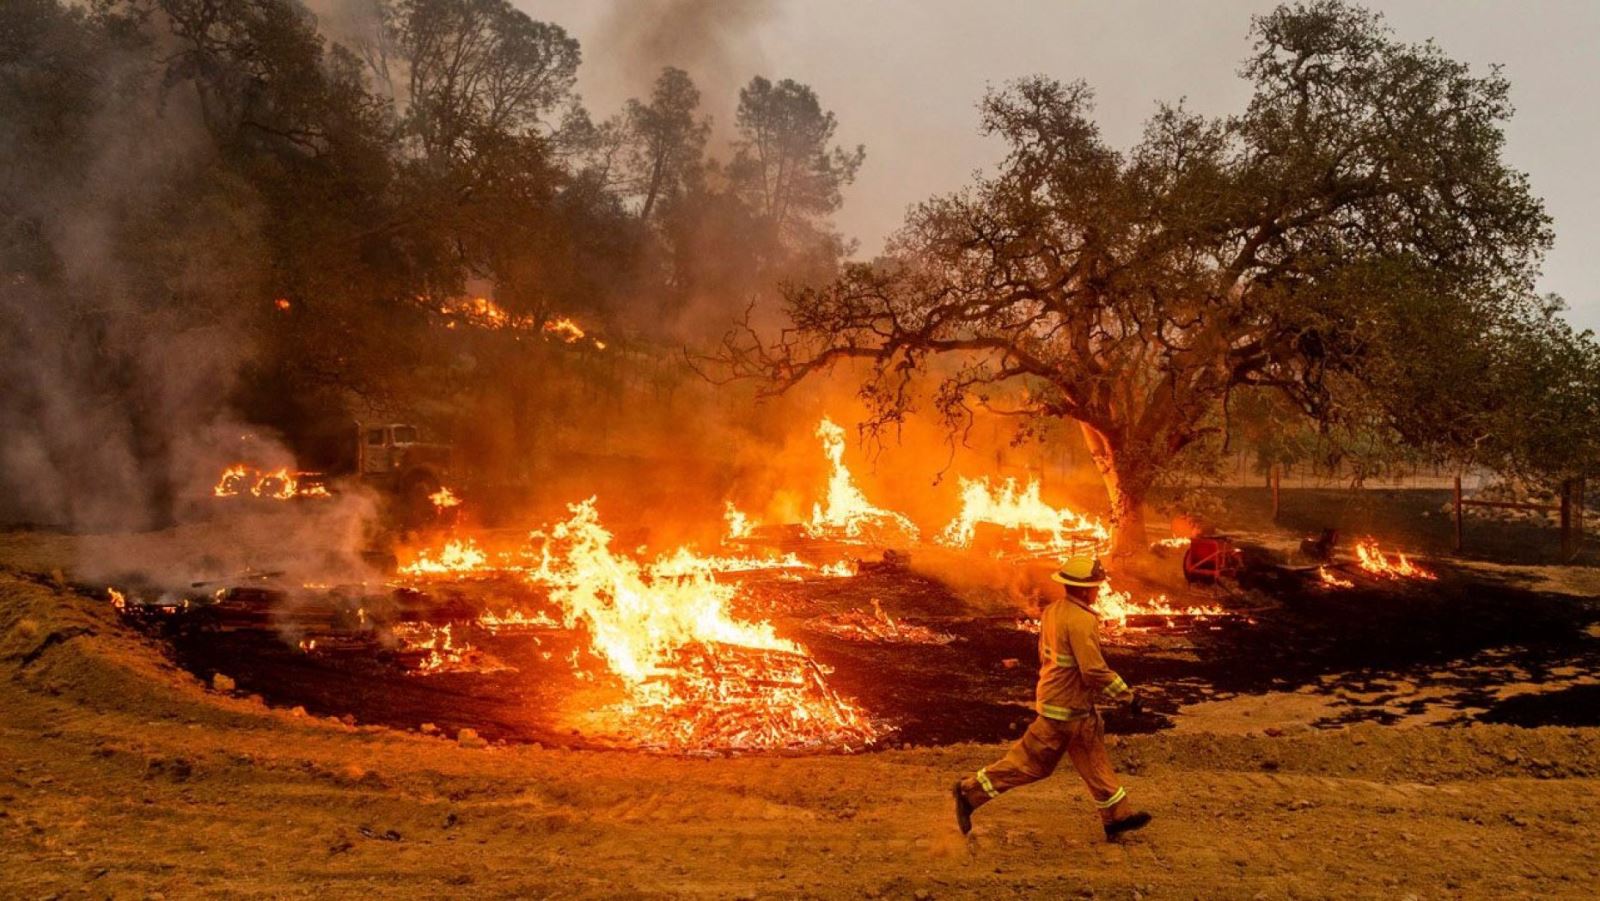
658	448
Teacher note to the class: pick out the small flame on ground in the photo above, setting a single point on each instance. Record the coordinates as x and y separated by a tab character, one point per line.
517	619
1115	607
1173	543
119	601
1371	558
444	499
1330	580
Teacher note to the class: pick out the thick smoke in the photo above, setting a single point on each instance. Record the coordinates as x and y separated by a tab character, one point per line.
124	288
712	40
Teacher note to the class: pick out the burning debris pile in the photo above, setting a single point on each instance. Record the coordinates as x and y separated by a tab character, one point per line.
693	675
241	480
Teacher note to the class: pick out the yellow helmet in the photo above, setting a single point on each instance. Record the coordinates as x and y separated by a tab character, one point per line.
1083	572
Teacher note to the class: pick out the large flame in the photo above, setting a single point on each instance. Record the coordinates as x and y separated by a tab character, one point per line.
1043	529
848	514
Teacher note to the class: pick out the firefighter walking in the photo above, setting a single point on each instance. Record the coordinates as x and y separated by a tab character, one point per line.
1073	680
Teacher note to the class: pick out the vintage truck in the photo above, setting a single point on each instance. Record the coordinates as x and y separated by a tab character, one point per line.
395	458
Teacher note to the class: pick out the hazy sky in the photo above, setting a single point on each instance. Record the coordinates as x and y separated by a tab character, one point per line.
904	77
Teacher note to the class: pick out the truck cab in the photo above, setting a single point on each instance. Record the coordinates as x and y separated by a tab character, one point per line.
383	448
395	457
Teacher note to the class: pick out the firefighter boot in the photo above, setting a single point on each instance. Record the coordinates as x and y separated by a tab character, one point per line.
1136	820
964	808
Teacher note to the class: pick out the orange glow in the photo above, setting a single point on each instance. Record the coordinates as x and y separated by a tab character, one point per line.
119	601
444	499
1043	529
1372	559
282	303
848	515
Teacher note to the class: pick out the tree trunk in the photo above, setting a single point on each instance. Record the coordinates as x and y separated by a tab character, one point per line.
1126	482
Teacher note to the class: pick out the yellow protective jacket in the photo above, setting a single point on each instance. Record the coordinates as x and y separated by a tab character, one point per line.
1073	675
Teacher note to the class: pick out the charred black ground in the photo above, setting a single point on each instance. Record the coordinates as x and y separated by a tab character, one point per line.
1452	643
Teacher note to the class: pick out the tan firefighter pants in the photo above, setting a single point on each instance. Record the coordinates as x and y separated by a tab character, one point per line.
1040	749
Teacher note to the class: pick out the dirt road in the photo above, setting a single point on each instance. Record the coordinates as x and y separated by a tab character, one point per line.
124	777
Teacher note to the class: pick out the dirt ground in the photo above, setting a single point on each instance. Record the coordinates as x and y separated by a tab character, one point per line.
121	775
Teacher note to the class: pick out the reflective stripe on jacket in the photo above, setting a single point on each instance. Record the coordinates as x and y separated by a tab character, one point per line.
1073	675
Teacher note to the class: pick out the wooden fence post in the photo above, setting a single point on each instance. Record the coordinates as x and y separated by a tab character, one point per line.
1459	529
